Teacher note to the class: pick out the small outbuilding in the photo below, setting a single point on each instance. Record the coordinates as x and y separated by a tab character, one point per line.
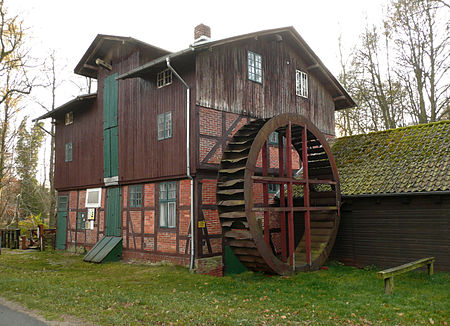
395	188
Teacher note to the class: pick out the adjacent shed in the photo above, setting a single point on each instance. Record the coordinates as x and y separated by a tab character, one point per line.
395	187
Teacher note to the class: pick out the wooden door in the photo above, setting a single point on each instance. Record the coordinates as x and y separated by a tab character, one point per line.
61	227
113	212
110	129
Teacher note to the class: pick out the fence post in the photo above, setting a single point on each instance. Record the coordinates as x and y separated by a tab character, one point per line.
41	236
17	238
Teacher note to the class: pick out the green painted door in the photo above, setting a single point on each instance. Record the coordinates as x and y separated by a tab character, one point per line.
110	129
61	226
113	212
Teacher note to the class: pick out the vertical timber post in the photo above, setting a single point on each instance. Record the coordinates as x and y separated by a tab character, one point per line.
306	196
282	199
265	195
290	195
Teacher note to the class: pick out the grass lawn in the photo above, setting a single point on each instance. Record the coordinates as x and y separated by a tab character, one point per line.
125	294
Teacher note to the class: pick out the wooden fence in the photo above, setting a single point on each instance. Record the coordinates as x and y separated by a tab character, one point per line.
9	238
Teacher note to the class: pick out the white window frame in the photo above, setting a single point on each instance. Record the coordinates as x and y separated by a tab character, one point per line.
301	83
164	78
254	67
99	201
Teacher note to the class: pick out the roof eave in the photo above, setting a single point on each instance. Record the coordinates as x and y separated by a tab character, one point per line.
142	70
84	69
67	106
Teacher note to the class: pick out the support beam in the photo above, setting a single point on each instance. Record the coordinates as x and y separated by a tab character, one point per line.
306	201
290	195
282	197
339	98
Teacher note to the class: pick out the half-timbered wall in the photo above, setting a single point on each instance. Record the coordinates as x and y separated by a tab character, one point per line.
222	83
143	237
83	238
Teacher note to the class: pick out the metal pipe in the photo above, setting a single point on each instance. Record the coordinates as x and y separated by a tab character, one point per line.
188	158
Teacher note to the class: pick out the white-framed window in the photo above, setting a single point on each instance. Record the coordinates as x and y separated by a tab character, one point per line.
93	198
168	204
69	118
164	78
254	62
301	83
164	125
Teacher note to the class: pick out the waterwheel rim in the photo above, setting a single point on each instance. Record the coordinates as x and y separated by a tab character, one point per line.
262	257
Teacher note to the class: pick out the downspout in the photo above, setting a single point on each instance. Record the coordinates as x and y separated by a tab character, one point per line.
188	157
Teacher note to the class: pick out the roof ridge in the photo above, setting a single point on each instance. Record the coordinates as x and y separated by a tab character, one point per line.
398	129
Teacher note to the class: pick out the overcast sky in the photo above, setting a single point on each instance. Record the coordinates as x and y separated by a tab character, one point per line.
69	27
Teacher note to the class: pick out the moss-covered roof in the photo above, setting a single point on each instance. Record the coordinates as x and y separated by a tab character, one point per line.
403	160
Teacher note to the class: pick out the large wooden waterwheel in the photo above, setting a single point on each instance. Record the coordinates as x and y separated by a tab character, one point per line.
279	234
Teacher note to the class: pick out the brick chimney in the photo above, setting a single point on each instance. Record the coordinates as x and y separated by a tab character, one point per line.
202	33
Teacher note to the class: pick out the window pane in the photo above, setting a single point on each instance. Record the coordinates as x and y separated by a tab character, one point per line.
163	191
172	215
172	190
160	126
168	126
163	214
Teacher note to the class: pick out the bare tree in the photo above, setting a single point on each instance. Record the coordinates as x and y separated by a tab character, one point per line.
422	37
368	78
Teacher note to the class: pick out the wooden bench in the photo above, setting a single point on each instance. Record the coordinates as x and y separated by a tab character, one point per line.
388	274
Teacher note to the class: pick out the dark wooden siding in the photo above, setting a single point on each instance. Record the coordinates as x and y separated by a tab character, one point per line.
389	231
141	155
85	134
222	83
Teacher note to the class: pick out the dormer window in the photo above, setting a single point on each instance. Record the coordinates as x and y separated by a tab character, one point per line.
301	83
164	78
69	118
254	62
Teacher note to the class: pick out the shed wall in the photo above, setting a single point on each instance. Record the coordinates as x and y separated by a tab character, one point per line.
389	231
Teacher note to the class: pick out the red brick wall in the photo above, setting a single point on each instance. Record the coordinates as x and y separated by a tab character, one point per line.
213	126
142	236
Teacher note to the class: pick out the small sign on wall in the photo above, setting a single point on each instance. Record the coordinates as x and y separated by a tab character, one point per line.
91	214
201	224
